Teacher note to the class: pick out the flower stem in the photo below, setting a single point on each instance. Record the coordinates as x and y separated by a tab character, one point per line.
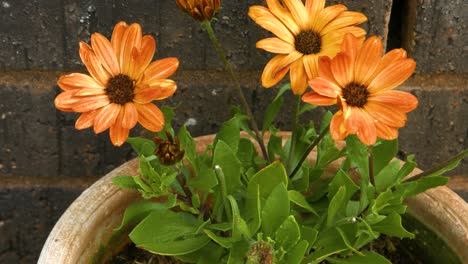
228	66
371	166
436	168
309	149
293	131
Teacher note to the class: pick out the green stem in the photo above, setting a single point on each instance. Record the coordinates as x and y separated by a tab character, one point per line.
371	166
222	183
228	66
293	131
436	168
309	149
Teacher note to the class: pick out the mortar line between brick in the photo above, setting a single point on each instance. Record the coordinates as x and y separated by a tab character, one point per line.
25	182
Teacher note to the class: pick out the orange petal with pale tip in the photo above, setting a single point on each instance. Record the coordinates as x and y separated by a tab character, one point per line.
86	119
264	18
392	76
92	63
275	45
77	81
89	103
325	87
117	36
337	128
298	12
160	69
298	77
318	99
118	134
129	116
367	60
150	117
104	51
131	39
65	101
106	117
158	90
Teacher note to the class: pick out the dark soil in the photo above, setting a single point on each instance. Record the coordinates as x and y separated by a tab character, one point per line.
133	255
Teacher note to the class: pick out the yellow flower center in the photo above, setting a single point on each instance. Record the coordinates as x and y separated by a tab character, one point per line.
120	89
355	94
308	42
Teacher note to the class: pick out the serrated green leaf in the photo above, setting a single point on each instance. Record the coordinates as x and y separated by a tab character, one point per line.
412	188
299	199
383	152
275	210
407	168
226	159
387	177
288	234
142	146
125	182
137	212
392	226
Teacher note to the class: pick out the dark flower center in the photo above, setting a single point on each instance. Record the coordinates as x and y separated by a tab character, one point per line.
308	42
120	89
355	94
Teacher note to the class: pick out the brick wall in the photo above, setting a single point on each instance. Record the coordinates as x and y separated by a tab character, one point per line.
45	163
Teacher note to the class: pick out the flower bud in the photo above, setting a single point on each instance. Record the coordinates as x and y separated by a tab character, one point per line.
200	10
168	150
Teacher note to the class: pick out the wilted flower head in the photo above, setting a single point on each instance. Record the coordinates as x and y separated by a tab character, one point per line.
200	10
122	85
361	82
304	32
168	150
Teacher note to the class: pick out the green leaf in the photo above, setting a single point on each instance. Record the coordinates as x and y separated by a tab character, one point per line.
246	152
225	242
142	146
357	156
328	243
166	232
239	226
387	177
288	234
342	179
168	113
137	211
125	182
409	189
229	133
299	199
238	252
368	257
205	179
392	226
336	204
383	152
267	179
275	146
296	254
310	234
225	157
407	168
271	112
275	209
187	144
306	108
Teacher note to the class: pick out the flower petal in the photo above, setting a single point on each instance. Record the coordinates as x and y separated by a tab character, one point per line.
93	64
150	117
298	77
358	121
401	101
343	20
118	134
65	101
275	45
392	76
277	67
77	81
116	39
142	57
350	47
106	117
325	87
386	132
311	66
104	51
342	69
130	115
264	18
367	60
283	15
298	12
385	114
158	90
160	69
314	8
318	99
90	103
324	69
337	128
130	40
326	15
86	119
90	91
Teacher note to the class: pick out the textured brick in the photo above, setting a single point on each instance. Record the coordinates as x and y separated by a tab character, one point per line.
436	35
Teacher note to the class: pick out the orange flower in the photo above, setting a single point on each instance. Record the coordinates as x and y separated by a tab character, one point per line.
122	84
360	81
200	10
304	33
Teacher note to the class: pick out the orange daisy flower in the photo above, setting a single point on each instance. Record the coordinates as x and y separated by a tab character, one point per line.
360	81
122	84
304	33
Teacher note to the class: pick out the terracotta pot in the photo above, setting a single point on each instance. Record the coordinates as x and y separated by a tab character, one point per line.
88	223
